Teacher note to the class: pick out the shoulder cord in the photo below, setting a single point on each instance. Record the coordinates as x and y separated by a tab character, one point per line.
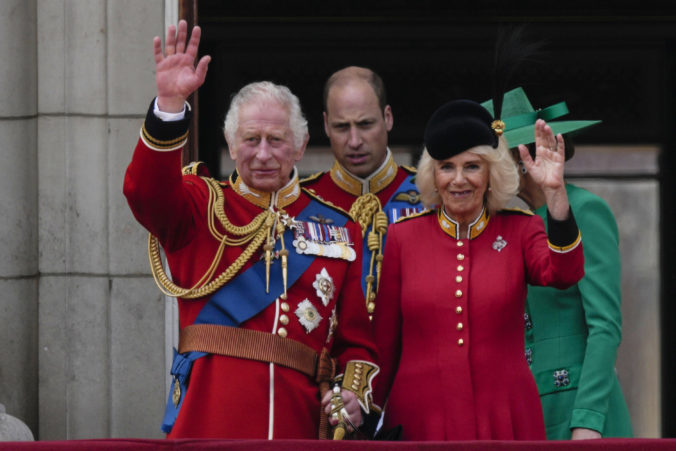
253	233
366	209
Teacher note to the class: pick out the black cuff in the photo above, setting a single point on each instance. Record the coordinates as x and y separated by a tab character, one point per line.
165	134
562	233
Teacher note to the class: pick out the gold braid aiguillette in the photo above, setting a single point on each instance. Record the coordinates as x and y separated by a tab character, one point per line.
253	233
367	210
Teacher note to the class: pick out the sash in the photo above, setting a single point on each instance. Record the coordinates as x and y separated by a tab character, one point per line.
404	202
243	298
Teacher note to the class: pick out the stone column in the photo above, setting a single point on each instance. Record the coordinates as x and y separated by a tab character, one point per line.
18	211
101	358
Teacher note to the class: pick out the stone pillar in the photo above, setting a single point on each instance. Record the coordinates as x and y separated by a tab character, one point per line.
18	202
101	335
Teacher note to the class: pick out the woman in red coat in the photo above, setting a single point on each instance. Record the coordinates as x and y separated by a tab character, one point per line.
449	325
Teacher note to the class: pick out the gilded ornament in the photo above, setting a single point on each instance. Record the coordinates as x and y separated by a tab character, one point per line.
176	393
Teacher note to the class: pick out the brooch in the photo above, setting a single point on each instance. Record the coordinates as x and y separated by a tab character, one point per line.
499	244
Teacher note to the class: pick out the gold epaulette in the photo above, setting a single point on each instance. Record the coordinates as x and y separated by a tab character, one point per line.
414	215
311	178
409	169
517	211
331	205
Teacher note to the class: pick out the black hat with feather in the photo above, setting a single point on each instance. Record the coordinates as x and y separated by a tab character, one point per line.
460	125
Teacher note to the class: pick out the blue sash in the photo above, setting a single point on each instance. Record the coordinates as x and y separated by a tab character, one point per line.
243	298
395	210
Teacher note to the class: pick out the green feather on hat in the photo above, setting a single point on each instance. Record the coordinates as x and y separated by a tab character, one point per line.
519	117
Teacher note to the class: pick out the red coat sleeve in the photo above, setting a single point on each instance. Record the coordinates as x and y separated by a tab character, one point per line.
164	201
560	265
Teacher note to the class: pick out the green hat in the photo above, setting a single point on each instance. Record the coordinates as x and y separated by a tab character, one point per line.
519	117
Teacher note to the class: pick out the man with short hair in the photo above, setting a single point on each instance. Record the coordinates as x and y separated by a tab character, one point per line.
266	275
364	179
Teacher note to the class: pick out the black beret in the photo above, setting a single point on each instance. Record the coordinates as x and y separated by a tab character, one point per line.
458	126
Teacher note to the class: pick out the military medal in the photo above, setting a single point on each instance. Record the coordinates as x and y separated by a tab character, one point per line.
323	240
308	315
324	285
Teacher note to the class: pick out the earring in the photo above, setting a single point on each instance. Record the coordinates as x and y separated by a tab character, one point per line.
522	168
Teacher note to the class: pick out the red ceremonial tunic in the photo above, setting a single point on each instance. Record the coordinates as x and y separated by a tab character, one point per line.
397	195
341	188
231	397
450	327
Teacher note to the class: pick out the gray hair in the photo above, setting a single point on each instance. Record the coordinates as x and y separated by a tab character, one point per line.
503	177
265	90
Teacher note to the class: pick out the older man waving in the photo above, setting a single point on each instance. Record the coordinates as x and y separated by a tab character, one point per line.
266	275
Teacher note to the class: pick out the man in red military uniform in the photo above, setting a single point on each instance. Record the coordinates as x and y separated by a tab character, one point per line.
364	179
267	276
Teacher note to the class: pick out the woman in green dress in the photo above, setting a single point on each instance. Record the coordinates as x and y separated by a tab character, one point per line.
572	335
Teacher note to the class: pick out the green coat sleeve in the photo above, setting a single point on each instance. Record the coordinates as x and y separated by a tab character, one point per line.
601	299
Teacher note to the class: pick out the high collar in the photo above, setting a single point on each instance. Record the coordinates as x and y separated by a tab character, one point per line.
452	228
264	199
374	183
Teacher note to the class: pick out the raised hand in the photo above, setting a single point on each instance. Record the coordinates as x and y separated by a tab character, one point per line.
176	74
547	168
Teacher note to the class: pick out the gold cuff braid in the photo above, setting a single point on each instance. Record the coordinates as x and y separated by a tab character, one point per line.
358	378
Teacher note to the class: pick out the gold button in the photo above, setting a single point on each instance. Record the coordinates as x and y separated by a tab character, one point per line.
459	326
359	365
461	342
461	268
460	243
458	279
458	310
284	319
458	293
285	307
355	387
371	307
461	257
282	332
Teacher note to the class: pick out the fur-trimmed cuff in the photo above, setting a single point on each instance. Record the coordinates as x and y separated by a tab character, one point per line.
358	378
165	135
564	235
